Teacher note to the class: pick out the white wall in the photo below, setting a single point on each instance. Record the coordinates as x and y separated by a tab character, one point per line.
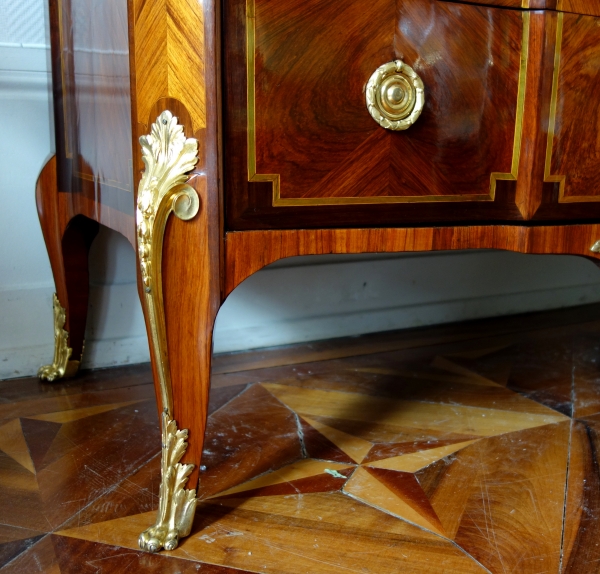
299	299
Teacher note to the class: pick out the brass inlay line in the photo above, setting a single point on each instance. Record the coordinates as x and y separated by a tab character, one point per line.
514	172
549	177
250	38
274	178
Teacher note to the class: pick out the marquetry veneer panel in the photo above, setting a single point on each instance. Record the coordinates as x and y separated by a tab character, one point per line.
574	133
311	61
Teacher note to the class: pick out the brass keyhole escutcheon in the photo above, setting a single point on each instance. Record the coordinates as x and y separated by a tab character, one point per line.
395	96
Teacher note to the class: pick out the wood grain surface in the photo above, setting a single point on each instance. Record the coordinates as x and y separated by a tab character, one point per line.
169	57
591	7
575	145
311	123
249	251
324	148
540	69
298	153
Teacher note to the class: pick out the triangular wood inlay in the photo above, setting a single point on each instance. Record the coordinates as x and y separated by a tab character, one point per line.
12	442
39	436
68	416
383	451
472	377
292	472
405	486
320	447
320	483
368	488
431	476
356	448
418	460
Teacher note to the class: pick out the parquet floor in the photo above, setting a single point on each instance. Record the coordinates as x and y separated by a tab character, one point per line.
459	449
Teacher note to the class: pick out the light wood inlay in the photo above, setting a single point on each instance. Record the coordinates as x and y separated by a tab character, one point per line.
77	414
169	56
301	469
14	445
373	410
418	460
366	488
355	447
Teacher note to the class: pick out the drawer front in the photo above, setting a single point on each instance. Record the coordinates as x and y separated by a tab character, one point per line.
573	147
311	126
301	147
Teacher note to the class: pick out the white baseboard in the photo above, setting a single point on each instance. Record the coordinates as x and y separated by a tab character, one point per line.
401	317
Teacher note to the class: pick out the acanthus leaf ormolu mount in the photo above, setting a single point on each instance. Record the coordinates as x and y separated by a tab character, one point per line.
277	141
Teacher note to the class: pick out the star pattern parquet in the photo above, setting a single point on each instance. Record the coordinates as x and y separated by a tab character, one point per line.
469	448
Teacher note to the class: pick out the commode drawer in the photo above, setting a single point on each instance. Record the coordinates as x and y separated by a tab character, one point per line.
308	140
307	136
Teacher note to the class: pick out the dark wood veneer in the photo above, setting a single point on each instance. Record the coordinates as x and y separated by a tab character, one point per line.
576	151
313	60
249	204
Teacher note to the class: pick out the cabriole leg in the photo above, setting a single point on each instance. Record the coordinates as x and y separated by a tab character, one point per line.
180	298
68	243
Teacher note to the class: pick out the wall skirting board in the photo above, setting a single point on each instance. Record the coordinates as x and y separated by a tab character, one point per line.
294	300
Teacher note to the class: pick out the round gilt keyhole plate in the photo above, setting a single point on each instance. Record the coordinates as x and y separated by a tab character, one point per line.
395	96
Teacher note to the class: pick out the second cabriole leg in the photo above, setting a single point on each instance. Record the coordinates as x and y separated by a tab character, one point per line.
68	243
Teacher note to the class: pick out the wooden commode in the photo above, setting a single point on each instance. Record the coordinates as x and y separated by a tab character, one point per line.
219	137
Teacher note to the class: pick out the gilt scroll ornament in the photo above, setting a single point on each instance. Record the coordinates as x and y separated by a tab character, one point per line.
61	366
168	157
395	96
